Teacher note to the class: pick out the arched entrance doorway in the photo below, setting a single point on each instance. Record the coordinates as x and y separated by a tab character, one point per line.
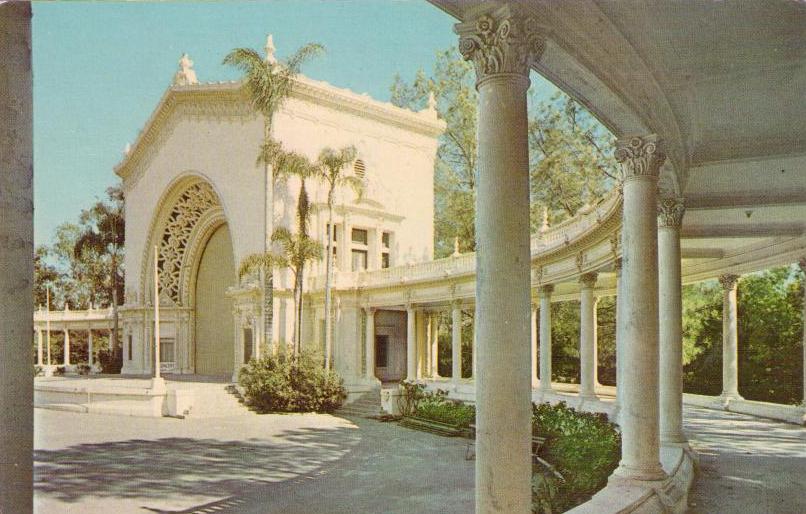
215	328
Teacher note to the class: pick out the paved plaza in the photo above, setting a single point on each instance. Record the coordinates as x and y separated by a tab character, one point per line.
297	463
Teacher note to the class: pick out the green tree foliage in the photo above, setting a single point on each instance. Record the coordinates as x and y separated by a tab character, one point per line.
770	336
571	153
282	383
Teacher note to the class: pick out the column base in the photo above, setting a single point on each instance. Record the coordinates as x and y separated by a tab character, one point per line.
673	439
157	385
638	476
726	398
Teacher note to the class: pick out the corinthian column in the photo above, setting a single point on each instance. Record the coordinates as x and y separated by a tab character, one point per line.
533	345
370	344
587	337
456	343
502	46
641	159
545	337
730	339
802	264
670	216
411	344
16	258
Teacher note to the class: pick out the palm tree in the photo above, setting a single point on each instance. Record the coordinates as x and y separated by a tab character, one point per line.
291	164
105	235
297	250
331	164
269	84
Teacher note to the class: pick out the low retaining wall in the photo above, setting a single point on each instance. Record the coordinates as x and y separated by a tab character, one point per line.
787	413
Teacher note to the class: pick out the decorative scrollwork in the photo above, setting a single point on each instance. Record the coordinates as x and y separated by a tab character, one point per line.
670	212
189	208
504	43
588	280
640	156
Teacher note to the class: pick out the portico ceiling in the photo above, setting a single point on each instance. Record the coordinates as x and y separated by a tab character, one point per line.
720	81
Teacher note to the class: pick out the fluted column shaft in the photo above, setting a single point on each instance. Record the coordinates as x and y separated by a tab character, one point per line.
370	344
411	344
641	159
456	343
545	337
587	337
670	216
16	258
619	351
730	338
502	45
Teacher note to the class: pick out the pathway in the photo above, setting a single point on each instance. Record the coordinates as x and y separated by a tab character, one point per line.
747	465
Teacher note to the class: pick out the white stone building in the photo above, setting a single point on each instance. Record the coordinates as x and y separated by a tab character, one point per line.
194	190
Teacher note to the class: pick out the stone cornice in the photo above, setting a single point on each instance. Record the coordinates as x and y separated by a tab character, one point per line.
504	41
229	100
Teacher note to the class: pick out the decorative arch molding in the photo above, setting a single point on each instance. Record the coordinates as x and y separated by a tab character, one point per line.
184	220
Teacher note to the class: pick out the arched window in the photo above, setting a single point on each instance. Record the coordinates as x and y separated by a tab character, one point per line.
359	168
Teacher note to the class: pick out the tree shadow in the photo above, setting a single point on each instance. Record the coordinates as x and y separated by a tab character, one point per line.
183	467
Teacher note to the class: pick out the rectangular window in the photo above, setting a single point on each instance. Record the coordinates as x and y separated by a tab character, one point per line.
130	347
335	233
360	236
385	238
381	351
385	260
247	344
166	349
359	260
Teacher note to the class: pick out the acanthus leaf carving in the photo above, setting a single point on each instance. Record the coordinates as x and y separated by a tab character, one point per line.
640	156
670	212
502	42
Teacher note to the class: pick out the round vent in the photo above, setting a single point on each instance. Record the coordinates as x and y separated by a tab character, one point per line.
359	168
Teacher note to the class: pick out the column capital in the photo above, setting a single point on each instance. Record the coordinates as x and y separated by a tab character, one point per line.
728	281
370	310
500	42
546	290
640	156
670	212
588	280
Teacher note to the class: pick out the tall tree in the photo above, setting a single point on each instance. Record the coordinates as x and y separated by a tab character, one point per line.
269	83
296	250
102	239
287	165
452	84
331	166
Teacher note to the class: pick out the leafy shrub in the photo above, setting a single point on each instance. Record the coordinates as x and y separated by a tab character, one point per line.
284	383
83	368
435	406
584	447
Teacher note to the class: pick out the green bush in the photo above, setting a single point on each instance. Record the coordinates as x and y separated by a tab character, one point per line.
584	447
437	407
283	383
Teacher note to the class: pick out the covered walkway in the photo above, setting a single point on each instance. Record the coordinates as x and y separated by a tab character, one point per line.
749	465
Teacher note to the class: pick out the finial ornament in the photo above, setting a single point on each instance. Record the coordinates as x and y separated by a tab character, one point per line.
432	102
670	212
503	41
270	58
640	156
456	246
127	149
728	281
544	225
186	75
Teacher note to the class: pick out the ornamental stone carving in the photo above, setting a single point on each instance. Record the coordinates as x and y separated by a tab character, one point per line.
640	156
546	290
588	280
501	42
188	209
728	281
670	213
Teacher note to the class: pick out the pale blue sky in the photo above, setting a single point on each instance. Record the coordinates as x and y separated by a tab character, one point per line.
101	67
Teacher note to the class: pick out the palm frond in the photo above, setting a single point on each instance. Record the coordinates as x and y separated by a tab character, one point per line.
354	183
261	261
303	55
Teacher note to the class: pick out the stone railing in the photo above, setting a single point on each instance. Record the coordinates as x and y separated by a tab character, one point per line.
100	316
